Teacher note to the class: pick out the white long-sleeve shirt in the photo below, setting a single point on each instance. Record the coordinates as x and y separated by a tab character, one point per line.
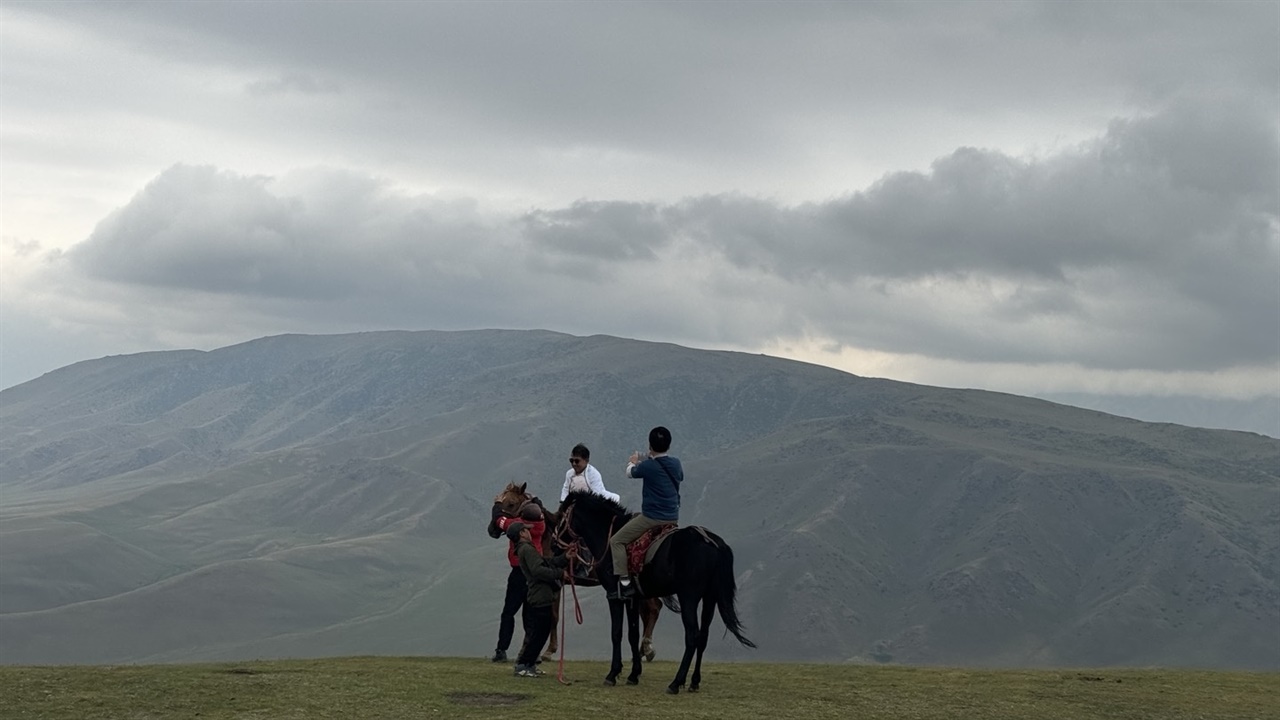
589	480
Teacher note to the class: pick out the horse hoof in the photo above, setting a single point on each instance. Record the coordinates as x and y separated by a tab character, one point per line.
610	682
673	690
693	688
650	655
632	681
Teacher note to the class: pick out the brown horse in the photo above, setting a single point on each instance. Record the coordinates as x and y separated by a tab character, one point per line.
510	502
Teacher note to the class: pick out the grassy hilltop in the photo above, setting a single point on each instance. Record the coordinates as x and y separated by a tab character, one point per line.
400	688
319	496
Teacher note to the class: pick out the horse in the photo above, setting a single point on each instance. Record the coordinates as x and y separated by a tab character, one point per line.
510	502
693	567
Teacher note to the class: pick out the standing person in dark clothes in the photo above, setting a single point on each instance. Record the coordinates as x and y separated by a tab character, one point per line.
517	587
543	576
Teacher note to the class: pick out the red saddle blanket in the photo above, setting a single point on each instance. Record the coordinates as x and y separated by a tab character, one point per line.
637	550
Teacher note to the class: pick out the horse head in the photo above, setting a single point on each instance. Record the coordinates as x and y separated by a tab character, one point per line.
512	498
586	520
510	502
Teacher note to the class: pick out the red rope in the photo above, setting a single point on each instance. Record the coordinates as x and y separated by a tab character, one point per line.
577	610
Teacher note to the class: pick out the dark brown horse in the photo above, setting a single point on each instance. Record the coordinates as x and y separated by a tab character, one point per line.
692	571
509	502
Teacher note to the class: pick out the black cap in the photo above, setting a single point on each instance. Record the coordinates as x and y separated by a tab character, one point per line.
513	531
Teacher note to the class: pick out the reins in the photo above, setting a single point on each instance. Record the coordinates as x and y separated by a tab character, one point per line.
565	527
577	614
570	549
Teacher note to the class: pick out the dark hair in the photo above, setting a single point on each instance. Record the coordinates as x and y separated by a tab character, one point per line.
660	439
580	451
531	512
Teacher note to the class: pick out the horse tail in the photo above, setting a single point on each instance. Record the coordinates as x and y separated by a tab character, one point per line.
726	589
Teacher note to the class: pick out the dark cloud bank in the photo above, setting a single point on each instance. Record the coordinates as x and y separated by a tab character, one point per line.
1154	246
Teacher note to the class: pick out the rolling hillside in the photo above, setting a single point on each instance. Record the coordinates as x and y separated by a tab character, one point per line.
326	495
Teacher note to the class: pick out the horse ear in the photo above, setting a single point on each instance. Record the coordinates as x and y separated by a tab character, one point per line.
523	486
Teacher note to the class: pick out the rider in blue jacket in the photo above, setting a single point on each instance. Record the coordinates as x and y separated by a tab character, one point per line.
659	503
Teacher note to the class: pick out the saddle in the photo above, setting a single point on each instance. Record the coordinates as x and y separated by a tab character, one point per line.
643	548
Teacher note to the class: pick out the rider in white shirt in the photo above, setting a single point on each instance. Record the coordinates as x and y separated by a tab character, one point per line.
582	475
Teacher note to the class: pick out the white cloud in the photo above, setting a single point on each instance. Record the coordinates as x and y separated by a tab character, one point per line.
1127	253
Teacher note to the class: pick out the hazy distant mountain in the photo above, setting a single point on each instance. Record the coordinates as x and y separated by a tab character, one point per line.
303	495
1260	415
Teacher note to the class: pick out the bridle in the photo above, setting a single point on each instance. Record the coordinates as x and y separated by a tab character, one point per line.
575	544
573	547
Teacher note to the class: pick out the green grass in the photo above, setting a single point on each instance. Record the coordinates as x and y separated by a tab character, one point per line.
401	688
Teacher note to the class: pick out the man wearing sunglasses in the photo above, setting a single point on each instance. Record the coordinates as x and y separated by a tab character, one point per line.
582	475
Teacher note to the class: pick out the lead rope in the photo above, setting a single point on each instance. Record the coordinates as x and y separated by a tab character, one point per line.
577	610
571	549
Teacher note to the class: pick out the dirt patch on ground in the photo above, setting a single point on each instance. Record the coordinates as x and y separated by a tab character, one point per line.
487	698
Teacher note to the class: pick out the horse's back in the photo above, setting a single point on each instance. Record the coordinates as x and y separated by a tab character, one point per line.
687	558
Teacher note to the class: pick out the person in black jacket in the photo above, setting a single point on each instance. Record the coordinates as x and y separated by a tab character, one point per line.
517	586
543	577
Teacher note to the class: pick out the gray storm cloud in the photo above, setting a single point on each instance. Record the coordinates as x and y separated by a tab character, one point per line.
1154	246
314	235
600	230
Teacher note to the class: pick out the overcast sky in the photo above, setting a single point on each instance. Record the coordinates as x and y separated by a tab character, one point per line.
1018	196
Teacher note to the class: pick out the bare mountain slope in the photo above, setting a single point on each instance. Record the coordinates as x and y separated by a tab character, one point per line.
322	495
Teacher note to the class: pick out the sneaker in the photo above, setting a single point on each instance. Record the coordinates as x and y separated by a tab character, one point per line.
526	671
623	591
499	656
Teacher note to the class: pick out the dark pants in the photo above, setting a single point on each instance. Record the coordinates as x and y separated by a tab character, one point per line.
516	592
538	624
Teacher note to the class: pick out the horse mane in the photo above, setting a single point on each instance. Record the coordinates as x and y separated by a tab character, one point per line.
594	504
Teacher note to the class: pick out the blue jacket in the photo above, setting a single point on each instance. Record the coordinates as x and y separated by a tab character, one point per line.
660	496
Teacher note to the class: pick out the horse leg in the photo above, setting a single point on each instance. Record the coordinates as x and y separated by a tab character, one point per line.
689	616
633	636
552	645
615	634
708	613
652	607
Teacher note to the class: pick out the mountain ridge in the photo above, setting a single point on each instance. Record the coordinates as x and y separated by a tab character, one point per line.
342	481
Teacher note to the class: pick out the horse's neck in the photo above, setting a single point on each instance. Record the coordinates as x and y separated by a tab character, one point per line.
606	525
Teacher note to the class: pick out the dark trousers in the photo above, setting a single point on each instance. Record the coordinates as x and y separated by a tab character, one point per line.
538	625
516	592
